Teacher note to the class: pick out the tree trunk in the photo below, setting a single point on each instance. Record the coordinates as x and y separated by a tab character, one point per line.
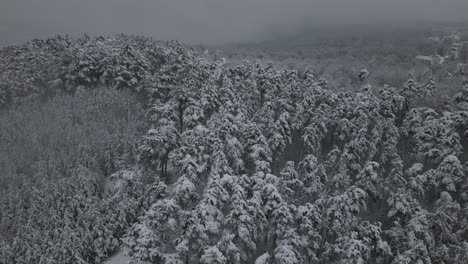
181	116
162	167
165	167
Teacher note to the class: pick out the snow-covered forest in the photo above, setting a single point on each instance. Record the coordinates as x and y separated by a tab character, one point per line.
174	154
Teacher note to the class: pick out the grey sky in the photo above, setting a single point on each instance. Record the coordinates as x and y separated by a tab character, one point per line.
207	21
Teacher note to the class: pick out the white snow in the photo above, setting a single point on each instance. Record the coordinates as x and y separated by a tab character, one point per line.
424	58
442	59
118	258
263	259
415	169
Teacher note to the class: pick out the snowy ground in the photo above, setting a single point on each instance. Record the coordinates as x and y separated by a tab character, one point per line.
118	258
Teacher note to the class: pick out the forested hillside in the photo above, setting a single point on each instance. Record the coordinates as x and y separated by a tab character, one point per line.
153	147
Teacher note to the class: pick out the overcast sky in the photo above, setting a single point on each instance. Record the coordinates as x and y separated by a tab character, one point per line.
207	21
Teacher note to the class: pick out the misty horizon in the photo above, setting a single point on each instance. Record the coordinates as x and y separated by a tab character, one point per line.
212	22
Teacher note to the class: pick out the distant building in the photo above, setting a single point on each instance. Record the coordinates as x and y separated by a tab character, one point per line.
442	59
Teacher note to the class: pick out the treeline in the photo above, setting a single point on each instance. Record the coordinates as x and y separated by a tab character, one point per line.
42	68
339	54
251	162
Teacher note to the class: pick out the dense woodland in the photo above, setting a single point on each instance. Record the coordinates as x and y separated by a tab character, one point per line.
156	148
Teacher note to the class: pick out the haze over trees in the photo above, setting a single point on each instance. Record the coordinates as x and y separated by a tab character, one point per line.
156	148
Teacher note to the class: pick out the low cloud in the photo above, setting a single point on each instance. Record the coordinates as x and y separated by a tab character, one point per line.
208	21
